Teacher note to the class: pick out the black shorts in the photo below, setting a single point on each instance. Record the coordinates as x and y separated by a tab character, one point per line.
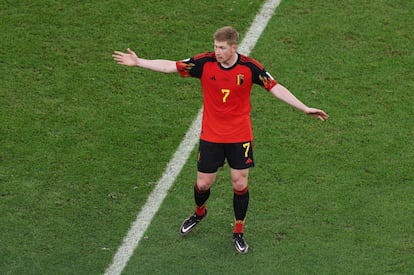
212	155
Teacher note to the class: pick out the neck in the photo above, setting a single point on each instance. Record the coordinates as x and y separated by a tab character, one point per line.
230	62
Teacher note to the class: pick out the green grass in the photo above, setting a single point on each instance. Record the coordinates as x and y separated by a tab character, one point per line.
82	140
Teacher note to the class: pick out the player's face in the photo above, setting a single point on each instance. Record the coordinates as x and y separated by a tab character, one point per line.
225	53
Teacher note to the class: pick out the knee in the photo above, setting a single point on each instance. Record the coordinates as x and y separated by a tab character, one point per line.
239	186
239	183
239	179
202	185
204	181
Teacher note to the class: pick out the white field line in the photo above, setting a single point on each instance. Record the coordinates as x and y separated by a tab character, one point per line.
145	216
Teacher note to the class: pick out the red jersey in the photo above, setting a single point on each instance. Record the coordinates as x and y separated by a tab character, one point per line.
226	93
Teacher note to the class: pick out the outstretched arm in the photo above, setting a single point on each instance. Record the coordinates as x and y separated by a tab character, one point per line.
131	59
285	95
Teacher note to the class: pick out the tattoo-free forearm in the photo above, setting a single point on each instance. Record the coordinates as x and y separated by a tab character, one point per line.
158	65
285	95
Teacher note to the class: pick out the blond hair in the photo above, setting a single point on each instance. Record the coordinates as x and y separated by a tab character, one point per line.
227	34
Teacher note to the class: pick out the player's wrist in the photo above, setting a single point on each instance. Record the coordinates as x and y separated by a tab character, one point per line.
307	110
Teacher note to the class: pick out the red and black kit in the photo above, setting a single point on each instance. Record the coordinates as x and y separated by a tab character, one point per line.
226	92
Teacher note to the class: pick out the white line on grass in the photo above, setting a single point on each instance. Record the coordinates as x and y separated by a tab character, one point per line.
144	217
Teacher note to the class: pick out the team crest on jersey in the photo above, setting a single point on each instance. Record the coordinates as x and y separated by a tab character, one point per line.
240	79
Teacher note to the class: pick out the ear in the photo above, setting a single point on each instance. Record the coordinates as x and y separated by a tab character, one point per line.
234	47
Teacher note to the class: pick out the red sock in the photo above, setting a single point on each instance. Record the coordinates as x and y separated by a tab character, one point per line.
200	210
200	198
238	227
240	204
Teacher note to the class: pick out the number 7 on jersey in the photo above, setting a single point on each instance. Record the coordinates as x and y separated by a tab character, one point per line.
226	93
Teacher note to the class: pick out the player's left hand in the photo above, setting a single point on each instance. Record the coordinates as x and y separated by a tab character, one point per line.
320	114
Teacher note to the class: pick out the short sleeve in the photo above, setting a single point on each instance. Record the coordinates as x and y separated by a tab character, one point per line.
259	74
193	67
266	80
185	67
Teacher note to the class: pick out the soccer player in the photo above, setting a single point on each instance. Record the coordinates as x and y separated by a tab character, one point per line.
226	78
